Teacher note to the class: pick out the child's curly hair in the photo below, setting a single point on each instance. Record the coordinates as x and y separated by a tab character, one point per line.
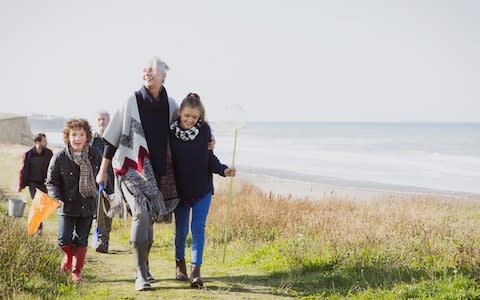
71	124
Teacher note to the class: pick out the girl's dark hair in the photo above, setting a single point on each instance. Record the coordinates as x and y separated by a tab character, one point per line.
193	100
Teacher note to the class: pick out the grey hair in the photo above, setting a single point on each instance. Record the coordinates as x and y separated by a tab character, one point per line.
105	113
158	65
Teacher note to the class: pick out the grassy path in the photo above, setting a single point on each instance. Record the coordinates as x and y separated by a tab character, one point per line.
415	248
111	276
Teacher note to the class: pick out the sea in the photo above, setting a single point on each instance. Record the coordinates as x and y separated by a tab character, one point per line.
394	156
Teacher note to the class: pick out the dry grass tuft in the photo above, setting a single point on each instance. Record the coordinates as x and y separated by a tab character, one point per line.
417	230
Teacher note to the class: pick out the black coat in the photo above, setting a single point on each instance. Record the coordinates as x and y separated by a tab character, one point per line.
63	179
34	167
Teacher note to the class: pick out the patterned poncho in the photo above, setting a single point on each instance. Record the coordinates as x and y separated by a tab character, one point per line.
132	166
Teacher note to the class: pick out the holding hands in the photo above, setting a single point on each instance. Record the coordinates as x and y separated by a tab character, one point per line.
230	172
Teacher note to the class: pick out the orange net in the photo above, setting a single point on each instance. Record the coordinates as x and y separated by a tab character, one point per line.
42	206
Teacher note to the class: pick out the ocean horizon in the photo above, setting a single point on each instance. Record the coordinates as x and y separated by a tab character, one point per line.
409	156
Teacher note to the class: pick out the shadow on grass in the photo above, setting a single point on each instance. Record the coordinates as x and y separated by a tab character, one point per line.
163	288
324	280
116	252
129	280
321	281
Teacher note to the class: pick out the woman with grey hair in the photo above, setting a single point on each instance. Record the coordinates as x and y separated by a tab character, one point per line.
137	145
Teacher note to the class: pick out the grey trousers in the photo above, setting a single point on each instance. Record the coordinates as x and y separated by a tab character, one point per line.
104	222
142	224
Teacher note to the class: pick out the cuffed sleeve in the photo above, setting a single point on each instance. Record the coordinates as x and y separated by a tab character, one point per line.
109	151
214	164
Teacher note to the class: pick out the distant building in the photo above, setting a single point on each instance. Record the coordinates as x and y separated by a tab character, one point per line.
49	123
14	129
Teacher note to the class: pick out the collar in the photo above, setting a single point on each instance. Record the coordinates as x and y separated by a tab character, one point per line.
185	135
147	95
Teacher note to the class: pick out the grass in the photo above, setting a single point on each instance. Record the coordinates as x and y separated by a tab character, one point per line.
29	265
278	247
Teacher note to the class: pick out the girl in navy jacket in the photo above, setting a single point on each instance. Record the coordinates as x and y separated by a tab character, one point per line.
193	165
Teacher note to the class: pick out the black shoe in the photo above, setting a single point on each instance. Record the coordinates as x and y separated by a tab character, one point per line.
102	246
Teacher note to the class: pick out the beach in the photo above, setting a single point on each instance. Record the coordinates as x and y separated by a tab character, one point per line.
357	161
353	239
343	190
301	186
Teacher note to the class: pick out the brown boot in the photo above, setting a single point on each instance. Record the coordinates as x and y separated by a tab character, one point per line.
195	279
181	270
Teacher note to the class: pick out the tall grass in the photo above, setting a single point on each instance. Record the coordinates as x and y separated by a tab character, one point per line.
29	265
354	245
389	248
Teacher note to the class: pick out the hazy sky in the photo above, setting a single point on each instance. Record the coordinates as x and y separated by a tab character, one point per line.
280	60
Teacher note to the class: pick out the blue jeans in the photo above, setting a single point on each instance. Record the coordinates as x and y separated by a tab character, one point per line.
74	230
199	217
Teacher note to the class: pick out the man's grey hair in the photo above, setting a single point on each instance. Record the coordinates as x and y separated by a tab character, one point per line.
104	113
158	65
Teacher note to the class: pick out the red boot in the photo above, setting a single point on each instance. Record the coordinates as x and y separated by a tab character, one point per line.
78	262
67	258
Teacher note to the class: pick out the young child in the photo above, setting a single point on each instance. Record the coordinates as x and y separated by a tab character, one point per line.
71	180
193	165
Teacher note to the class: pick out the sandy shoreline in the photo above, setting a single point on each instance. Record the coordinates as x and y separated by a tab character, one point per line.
318	190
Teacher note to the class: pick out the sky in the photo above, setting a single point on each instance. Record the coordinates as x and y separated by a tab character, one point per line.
369	61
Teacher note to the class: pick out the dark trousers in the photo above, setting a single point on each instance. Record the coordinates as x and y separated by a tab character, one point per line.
74	230
33	186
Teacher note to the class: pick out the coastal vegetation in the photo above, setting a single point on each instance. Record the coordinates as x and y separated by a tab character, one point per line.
278	246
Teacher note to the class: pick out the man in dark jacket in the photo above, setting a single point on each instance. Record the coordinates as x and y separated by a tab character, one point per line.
103	221
35	165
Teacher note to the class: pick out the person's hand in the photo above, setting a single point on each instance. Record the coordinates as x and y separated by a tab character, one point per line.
102	178
211	145
19	189
230	172
60	203
102	175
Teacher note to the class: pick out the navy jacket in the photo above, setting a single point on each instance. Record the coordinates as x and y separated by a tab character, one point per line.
62	183
194	164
